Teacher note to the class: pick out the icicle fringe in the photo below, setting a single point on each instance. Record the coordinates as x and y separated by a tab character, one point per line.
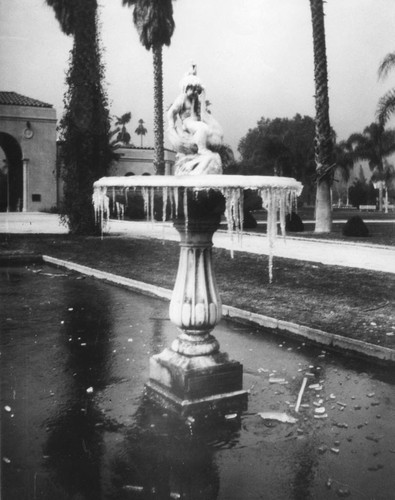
277	200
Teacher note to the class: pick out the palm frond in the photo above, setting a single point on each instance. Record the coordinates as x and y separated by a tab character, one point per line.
65	14
154	22
386	107
386	65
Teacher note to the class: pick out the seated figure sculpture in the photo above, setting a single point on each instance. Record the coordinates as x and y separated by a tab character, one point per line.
193	130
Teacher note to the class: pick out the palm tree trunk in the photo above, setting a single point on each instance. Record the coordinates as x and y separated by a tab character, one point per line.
159	154
323	136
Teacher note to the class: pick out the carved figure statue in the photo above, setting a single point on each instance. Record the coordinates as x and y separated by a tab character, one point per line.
193	130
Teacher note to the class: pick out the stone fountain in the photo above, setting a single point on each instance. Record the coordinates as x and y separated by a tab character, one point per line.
193	376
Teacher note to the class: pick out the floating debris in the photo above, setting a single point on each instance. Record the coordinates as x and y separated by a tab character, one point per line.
130	487
370	395
320	410
341	425
300	395
230	416
316	387
277	381
325	415
343	492
7	408
336	451
278	416
322	449
89	390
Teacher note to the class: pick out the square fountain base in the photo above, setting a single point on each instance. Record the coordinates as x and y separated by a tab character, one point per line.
201	384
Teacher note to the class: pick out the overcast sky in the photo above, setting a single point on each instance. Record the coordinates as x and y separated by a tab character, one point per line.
255	58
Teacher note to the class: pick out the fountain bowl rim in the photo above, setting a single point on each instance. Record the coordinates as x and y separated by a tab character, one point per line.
201	182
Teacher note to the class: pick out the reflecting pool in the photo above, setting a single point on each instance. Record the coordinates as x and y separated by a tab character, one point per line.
75	423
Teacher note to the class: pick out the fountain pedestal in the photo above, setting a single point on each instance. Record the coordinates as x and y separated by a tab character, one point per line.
193	376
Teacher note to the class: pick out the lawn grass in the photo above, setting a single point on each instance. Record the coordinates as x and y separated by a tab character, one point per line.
355	303
381	232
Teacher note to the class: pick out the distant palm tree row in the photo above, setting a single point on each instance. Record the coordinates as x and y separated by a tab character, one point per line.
374	145
123	135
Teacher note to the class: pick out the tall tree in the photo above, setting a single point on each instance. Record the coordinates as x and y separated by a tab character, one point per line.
386	106
323	134
85	125
374	145
282	146
155	25
141	130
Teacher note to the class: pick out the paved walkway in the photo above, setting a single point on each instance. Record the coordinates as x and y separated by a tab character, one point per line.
348	254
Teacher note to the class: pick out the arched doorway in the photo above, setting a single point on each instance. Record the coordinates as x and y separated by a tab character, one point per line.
11	174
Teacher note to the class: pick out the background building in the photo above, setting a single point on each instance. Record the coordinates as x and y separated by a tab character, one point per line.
27	154
139	161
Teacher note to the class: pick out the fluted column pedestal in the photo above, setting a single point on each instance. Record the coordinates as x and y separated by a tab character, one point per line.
193	376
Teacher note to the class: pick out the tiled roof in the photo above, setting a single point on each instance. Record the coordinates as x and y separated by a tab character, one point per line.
14	99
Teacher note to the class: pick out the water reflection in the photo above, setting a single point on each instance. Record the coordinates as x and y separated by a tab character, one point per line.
74	444
163	457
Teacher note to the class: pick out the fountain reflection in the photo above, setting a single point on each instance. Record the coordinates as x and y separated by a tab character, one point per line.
164	457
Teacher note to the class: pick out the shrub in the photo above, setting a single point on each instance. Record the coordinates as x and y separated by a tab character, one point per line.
355	226
293	223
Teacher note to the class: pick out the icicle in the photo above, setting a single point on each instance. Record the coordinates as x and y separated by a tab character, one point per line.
227	193
164	203
120	210
152	203
282	201
144	192
269	198
185	200
175	192
241	215
113	199
126	196
171	204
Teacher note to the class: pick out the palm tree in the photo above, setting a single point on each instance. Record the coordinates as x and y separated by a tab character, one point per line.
123	135
344	161
85	125
373	145
386	106
141	130
383	180
323	133
155	25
